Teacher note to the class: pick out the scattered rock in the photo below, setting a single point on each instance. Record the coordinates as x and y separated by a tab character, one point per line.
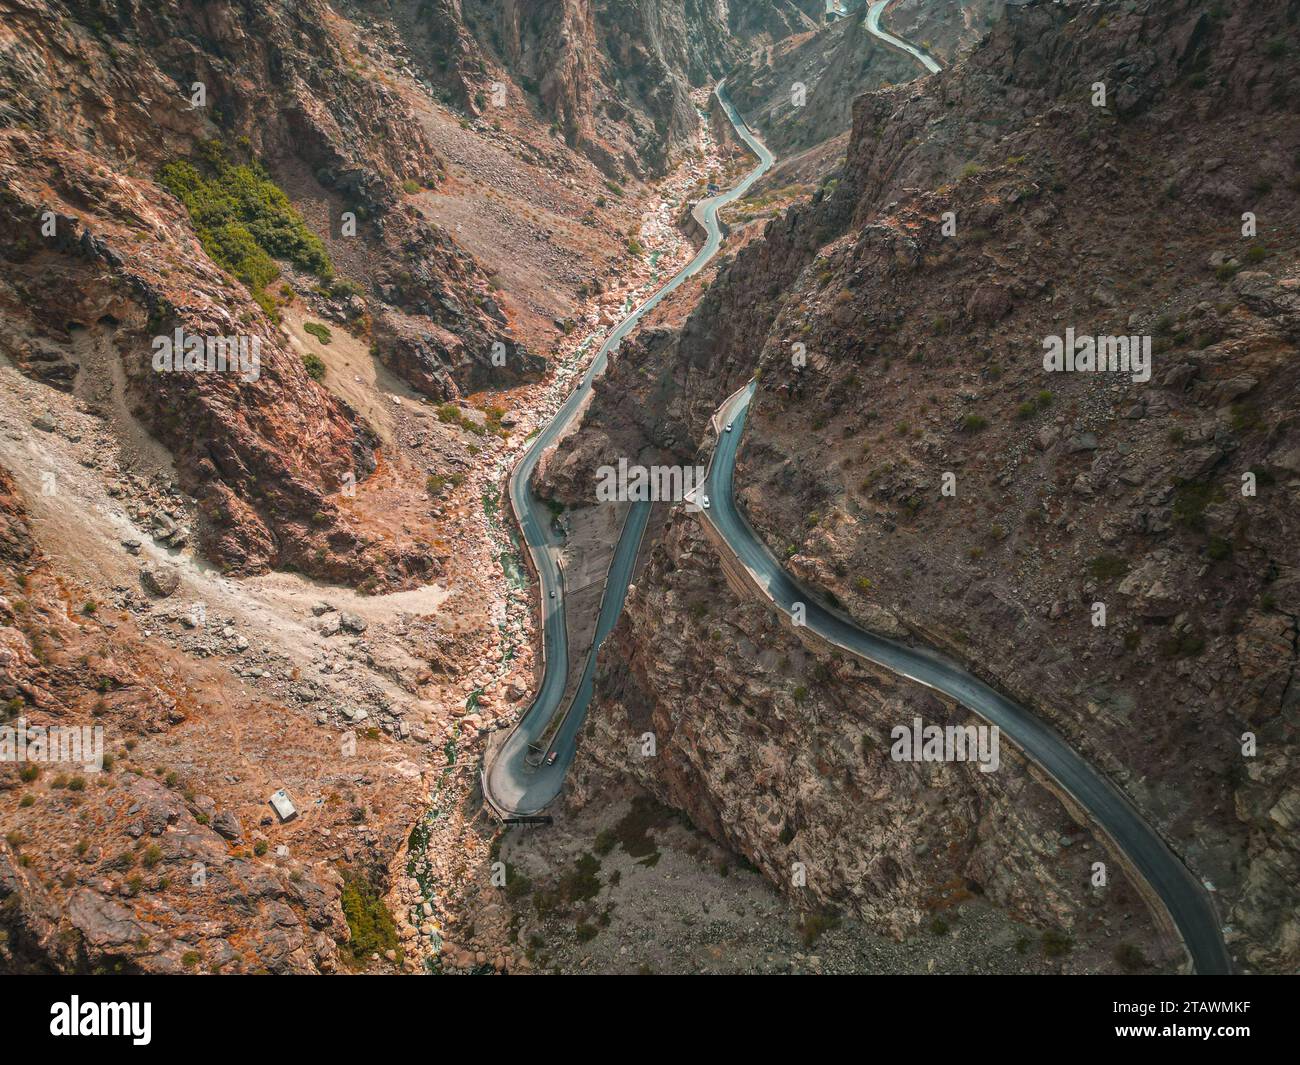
160	581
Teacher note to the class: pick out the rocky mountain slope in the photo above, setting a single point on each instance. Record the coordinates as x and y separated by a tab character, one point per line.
924	357
243	575
158	859
98	105
800	91
945	29
612	76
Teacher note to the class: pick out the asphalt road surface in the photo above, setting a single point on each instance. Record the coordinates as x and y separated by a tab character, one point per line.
518	781
874	12
1184	897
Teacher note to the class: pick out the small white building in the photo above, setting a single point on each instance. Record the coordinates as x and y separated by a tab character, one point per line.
283	805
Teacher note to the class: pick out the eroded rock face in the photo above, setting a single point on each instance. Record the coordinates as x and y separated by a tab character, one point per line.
781	750
800	91
151	887
615	78
103	922
1073	490
154	853
94	248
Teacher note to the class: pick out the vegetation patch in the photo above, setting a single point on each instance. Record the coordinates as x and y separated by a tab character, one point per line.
581	883
319	330
633	831
314	367
812	925
1056	944
372	928
243	219
1190	500
1107	567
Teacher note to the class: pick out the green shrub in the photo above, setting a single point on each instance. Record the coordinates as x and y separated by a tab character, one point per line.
314	367
1056	944
1218	548
1107	567
580	884
1190	500
814	924
1183	645
320	331
1244	417
372	928
243	219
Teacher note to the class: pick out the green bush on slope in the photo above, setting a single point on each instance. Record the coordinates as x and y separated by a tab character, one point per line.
243	219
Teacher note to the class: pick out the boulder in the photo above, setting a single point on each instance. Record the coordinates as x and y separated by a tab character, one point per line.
160	581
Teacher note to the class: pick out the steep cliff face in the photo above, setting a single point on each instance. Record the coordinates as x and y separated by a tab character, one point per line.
613	76
800	91
99	102
924	357
781	750
945	29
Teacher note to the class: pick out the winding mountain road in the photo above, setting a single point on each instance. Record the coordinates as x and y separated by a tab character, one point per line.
874	11
517	784
1183	896
517	781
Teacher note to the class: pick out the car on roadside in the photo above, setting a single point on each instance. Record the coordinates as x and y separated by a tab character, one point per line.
550	758
728	426
704	502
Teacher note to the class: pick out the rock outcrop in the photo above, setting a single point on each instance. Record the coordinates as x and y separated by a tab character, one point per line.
95	107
